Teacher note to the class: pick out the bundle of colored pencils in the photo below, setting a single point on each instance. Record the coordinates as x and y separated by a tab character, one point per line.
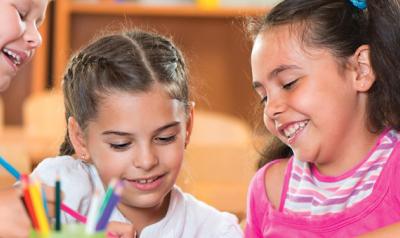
34	199
35	203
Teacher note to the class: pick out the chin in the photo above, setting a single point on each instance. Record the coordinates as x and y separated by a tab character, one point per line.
144	201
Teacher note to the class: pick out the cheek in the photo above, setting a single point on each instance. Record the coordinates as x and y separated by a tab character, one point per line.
10	31
109	164
109	169
173	156
269	124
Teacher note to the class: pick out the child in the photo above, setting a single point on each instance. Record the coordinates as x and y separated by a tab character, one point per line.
327	74
19	37
129	117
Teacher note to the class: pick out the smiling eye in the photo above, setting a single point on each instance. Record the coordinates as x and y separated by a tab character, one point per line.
290	85
264	100
21	15
120	146
165	140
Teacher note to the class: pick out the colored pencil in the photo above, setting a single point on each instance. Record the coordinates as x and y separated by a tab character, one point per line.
74	214
9	168
113	201
46	209
64	207
107	197
38	207
28	200
92	216
58	204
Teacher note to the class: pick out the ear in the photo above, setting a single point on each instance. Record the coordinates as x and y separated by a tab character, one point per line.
77	138
189	124
365	76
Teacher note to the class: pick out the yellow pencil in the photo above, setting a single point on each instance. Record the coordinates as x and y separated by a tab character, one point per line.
38	206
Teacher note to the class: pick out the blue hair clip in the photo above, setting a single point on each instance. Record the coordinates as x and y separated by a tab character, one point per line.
360	4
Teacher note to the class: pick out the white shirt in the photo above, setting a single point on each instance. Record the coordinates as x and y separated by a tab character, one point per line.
186	216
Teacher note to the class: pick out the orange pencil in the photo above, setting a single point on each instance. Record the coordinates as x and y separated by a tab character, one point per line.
28	201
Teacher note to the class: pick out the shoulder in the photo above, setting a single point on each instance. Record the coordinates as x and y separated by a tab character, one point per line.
274	181
207	220
266	185
264	192
64	166
75	178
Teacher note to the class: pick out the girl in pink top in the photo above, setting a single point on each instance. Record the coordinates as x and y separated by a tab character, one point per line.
327	74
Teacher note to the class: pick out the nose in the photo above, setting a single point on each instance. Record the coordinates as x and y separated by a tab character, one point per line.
146	159
275	106
32	36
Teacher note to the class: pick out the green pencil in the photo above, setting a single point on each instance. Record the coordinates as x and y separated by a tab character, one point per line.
107	197
58	204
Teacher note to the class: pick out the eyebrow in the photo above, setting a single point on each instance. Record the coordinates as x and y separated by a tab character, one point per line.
121	133
275	72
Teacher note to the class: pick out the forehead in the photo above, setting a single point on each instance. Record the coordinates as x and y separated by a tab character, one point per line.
140	107
281	41
274	47
284	43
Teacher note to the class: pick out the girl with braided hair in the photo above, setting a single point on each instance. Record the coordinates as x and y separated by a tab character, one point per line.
130	117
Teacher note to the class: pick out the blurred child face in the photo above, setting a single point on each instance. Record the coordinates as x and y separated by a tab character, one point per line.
139	138
19	35
310	102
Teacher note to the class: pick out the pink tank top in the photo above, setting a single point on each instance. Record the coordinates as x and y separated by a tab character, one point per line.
380	208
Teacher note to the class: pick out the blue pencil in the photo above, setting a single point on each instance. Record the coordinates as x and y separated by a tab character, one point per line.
44	198
10	168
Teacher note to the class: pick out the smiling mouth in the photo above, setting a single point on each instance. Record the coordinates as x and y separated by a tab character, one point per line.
14	57
145	181
147	184
291	131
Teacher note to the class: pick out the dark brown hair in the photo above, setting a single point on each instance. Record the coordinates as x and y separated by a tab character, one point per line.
339	26
131	61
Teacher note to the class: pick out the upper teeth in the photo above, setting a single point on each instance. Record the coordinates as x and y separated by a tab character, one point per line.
291	130
144	181
17	58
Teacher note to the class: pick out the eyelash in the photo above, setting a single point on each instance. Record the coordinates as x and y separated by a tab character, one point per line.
166	140
21	14
162	140
120	146
264	100
286	87
289	85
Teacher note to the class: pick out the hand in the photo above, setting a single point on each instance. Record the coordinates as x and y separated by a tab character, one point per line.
120	230
14	221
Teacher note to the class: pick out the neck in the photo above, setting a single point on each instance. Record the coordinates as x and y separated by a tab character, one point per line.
349	153
143	217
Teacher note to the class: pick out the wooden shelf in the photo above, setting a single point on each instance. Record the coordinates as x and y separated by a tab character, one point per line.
109	8
212	39
66	10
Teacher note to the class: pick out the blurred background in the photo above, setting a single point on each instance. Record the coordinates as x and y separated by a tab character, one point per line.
222	156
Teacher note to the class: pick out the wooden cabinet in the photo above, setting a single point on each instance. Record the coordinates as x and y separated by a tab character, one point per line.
213	41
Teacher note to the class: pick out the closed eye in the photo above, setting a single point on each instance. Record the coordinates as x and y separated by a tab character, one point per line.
165	140
290	85
120	146
264	100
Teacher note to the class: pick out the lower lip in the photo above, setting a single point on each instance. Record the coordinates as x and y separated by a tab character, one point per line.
13	66
147	186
